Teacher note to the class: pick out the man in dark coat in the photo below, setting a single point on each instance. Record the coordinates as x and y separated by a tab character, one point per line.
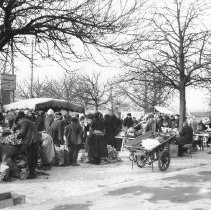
128	121
73	134
40	121
186	137
31	141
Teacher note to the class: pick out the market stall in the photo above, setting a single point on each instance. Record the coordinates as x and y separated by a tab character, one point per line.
44	104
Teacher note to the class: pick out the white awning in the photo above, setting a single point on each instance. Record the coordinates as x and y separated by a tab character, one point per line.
164	110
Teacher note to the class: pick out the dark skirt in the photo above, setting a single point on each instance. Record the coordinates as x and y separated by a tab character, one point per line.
97	146
110	138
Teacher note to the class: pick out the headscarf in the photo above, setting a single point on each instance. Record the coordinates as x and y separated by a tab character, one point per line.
50	112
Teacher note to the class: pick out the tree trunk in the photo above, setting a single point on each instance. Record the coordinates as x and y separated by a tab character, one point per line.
96	107
182	106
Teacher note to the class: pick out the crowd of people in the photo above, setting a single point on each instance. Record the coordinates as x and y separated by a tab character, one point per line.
51	130
42	134
170	124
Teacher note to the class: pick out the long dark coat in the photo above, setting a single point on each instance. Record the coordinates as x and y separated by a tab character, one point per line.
186	135
109	131
97	144
40	123
73	133
56	131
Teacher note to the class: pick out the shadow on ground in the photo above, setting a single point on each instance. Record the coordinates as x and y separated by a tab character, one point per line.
72	207
203	176
172	194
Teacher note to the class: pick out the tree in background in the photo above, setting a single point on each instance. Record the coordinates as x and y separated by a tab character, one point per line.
78	88
64	88
92	91
144	89
39	89
177	47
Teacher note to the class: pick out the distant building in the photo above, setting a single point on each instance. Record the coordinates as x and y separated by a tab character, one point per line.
203	115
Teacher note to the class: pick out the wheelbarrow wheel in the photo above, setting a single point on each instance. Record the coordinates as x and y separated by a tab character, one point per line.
141	161
164	160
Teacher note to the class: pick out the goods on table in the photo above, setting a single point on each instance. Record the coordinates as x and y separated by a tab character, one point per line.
130	133
11	139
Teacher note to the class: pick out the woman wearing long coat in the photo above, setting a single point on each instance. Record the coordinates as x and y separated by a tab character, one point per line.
109	130
97	143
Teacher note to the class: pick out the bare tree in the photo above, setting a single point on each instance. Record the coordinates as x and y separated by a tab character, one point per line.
178	48
67	27
91	91
78	88
64	88
143	89
39	89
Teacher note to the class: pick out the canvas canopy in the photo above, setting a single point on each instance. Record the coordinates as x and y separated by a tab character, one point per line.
163	110
44	104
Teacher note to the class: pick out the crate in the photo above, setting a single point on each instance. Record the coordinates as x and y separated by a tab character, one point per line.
173	149
11	199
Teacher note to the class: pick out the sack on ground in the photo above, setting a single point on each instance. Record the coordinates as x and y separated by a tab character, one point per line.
4	171
59	155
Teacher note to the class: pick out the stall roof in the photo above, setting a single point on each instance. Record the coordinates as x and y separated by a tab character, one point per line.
163	110
43	104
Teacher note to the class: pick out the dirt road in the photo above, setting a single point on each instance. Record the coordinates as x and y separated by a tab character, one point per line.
186	185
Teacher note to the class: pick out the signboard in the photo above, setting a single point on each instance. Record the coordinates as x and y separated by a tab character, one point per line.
8	81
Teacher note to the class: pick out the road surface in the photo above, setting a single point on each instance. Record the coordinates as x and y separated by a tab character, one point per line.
186	185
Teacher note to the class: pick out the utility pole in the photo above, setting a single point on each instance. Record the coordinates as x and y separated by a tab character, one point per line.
32	69
112	99
13	68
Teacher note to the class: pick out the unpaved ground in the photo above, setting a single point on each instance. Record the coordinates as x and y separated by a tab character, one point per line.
186	185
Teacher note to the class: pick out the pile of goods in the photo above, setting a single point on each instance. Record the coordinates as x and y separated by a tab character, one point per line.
147	141
130	133
11	139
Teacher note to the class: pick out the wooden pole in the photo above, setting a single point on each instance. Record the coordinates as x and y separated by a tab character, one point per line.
32	68
13	67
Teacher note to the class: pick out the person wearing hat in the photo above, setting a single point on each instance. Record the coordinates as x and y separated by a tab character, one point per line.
27	131
128	121
49	119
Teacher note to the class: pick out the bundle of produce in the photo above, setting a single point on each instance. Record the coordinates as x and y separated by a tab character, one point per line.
11	139
112	153
59	155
